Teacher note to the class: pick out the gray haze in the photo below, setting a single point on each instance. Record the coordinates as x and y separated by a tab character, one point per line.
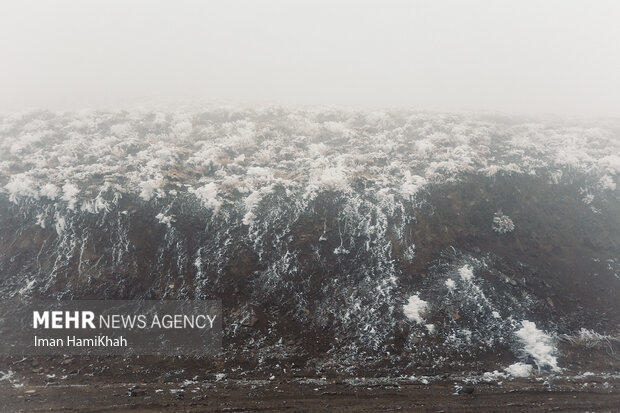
559	57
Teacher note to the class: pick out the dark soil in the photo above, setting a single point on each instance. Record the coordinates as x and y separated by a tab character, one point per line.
568	396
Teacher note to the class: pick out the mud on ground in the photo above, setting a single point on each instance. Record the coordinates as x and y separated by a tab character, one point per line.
150	384
578	395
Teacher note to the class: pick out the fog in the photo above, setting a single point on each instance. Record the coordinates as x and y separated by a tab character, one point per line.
528	57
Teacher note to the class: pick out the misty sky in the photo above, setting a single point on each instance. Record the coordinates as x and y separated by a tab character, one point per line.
532	57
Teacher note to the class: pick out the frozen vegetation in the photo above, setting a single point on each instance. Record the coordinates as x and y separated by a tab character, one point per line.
414	309
85	160
502	223
312	210
538	345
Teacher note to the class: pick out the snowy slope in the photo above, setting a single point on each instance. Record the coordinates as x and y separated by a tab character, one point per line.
394	238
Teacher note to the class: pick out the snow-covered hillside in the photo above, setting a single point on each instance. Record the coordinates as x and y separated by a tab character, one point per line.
398	239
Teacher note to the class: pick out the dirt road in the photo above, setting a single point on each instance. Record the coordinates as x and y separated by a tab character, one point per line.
588	394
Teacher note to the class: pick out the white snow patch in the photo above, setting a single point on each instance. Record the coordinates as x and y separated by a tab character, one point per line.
49	191
208	196
149	189
251	201
611	163
69	192
519	370
493	376
259	171
607	183
411	184
537	344
41	220
95	206
317	149
163	219
450	284
414	308
6	376
466	273
20	186
60	224
334	178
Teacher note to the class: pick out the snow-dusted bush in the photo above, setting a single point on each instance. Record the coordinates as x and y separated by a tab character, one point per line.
502	224
538	345
414	308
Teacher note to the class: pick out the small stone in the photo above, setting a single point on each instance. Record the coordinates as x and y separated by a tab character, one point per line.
466	390
135	391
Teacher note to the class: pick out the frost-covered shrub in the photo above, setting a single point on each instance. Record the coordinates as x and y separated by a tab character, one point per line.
502	223
538	345
414	308
409	253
